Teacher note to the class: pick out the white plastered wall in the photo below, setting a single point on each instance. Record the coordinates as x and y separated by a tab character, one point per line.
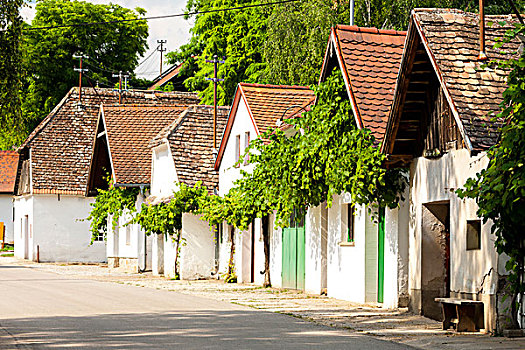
228	174
55	226
6	216
23	207
197	256
434	180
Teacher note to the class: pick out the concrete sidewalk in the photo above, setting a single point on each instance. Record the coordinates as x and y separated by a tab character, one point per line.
397	325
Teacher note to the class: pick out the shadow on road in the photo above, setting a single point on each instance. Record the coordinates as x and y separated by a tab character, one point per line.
190	330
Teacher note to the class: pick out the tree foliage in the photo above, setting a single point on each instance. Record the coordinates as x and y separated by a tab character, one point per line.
113	202
47	56
236	35
11	73
329	155
499	189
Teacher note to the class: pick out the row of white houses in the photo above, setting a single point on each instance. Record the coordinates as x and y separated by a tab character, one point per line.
424	98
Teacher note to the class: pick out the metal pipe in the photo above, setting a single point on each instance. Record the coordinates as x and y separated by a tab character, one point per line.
482	55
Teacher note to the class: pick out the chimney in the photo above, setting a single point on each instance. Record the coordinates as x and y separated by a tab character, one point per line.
482	55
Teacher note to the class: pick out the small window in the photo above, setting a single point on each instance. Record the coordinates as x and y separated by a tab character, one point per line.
237	149
246	144
128	235
473	234
100	237
347	227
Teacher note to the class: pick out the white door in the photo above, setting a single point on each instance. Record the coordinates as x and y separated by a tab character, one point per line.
26	236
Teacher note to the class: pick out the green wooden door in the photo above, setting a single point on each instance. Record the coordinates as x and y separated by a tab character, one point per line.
381	255
293	258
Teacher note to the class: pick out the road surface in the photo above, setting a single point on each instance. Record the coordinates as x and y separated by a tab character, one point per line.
43	310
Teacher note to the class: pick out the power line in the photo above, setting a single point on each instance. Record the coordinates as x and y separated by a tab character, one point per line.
147	58
82	24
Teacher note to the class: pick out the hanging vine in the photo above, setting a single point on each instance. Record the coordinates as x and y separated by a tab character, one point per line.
112	202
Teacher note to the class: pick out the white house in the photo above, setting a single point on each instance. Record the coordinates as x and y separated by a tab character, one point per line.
8	168
356	259
439	127
183	153
256	108
51	187
121	147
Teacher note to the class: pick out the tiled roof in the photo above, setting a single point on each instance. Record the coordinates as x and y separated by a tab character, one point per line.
61	146
269	103
266	104
8	168
371	60
191	142
129	130
453	39
166	76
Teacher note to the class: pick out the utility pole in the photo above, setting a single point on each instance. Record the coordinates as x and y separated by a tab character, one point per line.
215	80
161	49
119	75
80	70
352	12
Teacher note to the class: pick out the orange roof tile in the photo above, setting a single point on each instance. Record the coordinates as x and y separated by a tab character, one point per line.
129	130
62	144
190	138
452	36
8	168
266	105
370	59
269	103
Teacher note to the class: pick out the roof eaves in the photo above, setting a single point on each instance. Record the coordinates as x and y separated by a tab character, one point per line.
227	129
441	80
347	80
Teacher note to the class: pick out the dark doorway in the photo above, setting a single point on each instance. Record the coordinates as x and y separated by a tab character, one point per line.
435	257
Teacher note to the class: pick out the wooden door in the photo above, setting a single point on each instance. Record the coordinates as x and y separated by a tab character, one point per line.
293	259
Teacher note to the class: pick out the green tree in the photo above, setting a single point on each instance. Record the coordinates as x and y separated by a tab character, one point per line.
500	188
10	73
236	35
110	47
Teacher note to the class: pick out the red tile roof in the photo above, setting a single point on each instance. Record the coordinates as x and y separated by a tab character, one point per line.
166	76
62	145
190	138
370	60
452	37
269	103
8	168
129	130
266	105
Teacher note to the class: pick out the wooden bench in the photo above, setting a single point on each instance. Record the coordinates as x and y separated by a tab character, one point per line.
467	315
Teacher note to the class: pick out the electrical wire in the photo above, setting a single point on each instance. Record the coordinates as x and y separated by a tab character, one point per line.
82	24
147	58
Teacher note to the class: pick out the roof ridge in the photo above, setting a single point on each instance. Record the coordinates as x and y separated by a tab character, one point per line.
275	86
370	30
142	105
458	11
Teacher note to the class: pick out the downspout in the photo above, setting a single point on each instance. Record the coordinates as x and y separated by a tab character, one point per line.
352	15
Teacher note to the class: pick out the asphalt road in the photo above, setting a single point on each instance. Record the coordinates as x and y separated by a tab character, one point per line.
41	310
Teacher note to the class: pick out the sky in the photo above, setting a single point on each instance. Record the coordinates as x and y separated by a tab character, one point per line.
174	30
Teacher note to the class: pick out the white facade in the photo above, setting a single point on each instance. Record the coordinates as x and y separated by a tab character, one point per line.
197	247
473	272
6	216
245	252
128	247
51	226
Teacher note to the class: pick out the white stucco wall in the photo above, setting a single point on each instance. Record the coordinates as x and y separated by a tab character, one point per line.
22	226
313	257
163	172
227	172
243	254
433	180
6	216
55	226
276	253
197	257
